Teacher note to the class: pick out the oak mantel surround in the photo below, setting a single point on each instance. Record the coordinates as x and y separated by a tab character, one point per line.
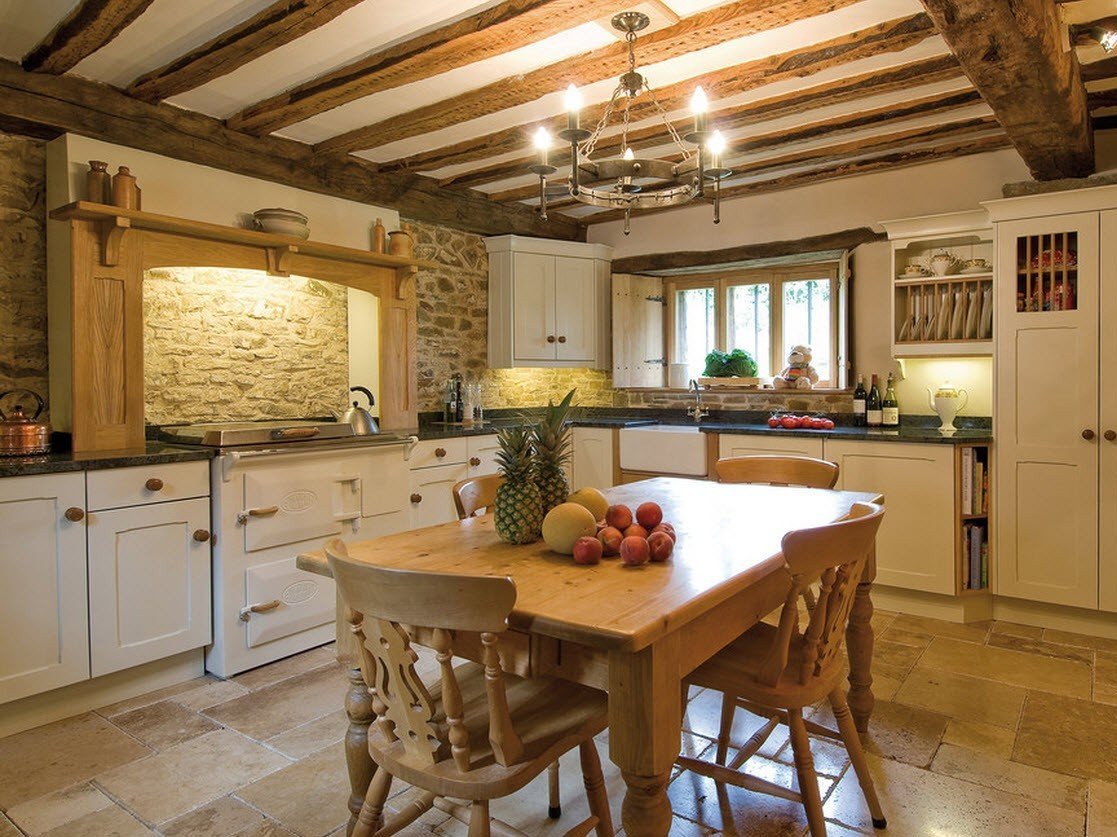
101	353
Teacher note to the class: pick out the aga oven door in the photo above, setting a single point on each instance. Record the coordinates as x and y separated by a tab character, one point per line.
284	600
296	501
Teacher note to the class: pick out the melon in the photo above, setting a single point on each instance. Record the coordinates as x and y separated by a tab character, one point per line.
565	523
592	499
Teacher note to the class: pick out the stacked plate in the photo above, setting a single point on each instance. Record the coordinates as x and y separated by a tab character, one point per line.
281	222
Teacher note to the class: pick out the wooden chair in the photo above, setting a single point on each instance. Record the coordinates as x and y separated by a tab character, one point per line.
804	471
470	496
478	734
476	493
775	671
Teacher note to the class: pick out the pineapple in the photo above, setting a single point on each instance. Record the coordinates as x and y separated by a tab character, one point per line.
552	451
519	512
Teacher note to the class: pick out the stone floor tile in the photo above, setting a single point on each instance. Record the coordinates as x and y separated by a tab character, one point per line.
1101	814
1067	735
1105	677
37	816
149	698
916	625
210	694
894	659
962	696
164	724
278	707
7	829
308	797
1098	643
919	802
108	822
273	673
985	738
310	737
904	733
1032	671
679	828
1009	776
703	716
1016	629
1037	646
55	756
224	818
899	635
189	775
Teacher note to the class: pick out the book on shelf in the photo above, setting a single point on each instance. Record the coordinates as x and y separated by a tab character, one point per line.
967	480
976	556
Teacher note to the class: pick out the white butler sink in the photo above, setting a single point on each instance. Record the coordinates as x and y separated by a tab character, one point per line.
664	449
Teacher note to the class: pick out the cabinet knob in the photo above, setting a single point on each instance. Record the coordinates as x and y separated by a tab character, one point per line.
201	535
440	452
154	484
74	514
550	338
416	498
562	339
476	460
1110	435
1088	434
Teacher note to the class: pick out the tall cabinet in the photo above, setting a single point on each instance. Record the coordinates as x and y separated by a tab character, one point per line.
1056	397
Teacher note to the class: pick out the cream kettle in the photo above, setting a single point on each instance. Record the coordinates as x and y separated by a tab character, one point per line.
359	418
947	402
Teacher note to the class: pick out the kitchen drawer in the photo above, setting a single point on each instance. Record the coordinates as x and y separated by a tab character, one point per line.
435	452
482	455
742	444
432	496
116	488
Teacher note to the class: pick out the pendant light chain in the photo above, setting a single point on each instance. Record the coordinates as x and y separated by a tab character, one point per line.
675	138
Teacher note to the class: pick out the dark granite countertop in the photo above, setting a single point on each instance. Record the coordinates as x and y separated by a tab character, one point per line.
905	433
56	463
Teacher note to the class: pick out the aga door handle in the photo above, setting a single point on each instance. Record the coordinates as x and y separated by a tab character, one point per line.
266	511
261	607
1088	434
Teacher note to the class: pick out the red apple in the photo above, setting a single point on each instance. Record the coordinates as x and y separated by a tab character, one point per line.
610	538
666	529
587	550
636	531
660	545
618	516
634	551
649	515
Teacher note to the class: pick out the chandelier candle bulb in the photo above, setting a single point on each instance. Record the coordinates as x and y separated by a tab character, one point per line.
573	100
542	144
698	106
717	148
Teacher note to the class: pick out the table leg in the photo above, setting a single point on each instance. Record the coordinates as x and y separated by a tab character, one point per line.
859	642
644	732
358	708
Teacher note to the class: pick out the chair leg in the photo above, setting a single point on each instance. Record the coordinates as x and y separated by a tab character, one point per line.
479	825
728	709
554	808
594	781
804	767
371	818
852	740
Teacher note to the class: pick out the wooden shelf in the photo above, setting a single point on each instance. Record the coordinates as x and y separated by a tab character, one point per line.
982	516
953	279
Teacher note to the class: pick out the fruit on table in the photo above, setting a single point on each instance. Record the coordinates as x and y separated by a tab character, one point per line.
610	538
634	551
565	523
518	512
587	550
552	452
636	531
660	545
665	528
619	516
592	499
649	515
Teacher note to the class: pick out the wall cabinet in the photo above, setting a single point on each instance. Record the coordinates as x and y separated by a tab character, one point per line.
44	620
549	303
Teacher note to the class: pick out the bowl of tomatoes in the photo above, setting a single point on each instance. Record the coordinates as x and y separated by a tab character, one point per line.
781	421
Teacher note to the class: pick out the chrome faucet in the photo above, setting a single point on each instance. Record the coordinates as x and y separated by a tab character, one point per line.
696	412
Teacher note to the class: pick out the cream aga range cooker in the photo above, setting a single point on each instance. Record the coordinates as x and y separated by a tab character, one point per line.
278	489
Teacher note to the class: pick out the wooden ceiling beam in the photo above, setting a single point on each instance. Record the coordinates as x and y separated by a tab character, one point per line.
894	160
279	24
699	31
926	71
1013	53
925	106
506	26
1106	68
87	28
73	104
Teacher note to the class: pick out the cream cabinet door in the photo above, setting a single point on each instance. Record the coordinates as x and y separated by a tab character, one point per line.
915	545
533	307
482	455
575	310
432	498
730	444
1107	546
149	583
44	621
592	461
1046	486
384	479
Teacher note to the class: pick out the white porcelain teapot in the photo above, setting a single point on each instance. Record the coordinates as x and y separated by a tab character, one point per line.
947	402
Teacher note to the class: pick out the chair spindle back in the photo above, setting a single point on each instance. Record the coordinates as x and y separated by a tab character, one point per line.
476	493
804	471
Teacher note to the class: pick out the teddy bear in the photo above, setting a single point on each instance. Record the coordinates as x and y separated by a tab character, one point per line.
798	374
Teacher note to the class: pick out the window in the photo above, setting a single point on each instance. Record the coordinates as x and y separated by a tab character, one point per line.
764	311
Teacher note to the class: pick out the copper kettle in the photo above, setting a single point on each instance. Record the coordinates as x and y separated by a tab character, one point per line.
21	435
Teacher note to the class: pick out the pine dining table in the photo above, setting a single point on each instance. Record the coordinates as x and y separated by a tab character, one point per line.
633	631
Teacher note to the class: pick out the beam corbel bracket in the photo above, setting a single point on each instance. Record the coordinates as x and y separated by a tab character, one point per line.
279	259
405	280
112	236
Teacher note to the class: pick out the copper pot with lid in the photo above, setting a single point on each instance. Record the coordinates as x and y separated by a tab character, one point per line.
20	434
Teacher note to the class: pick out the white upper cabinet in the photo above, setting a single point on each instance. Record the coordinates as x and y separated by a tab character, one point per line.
549	303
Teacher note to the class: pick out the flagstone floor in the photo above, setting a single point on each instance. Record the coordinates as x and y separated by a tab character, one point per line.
990	729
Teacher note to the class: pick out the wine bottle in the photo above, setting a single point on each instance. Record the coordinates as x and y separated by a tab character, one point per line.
873	413
890	407
459	401
859	396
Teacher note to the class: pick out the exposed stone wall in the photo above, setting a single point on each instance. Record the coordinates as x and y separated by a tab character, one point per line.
23	289
239	344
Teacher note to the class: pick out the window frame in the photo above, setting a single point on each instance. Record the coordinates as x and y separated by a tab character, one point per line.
774	277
